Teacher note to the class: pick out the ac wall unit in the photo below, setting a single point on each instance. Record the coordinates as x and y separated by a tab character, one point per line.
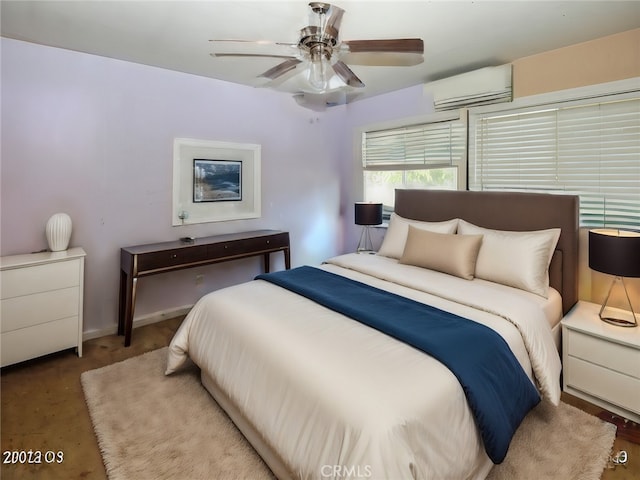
480	87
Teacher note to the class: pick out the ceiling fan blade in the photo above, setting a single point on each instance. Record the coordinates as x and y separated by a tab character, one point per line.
397	45
281	69
335	17
382	59
260	48
228	41
325	17
347	75
249	55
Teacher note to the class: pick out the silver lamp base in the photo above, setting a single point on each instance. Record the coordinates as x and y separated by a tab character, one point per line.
617	321
365	245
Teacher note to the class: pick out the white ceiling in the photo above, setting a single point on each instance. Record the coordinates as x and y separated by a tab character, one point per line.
458	35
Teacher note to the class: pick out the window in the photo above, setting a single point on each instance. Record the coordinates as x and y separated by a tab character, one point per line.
424	155
589	148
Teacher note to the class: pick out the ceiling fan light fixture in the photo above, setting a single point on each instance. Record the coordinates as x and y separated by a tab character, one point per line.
319	69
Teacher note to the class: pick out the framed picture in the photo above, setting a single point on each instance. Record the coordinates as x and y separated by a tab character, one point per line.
217	180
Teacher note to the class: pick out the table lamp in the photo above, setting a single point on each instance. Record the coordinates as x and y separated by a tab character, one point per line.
367	214
616	252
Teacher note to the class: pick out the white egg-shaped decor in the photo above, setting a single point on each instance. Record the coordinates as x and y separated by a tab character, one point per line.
58	232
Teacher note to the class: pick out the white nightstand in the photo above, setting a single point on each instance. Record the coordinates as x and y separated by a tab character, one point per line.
41	298
601	362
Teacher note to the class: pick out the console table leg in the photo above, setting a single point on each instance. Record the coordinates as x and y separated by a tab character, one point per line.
122	302
131	302
267	262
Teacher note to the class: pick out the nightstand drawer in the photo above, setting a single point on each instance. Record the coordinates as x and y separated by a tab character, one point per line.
40	278
31	342
616	388
613	356
29	310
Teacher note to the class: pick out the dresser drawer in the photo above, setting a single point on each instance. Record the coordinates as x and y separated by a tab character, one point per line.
257	244
279	240
26	311
613	387
38	340
171	258
39	278
610	355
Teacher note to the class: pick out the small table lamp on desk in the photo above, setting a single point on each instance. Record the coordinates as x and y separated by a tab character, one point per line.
367	214
616	252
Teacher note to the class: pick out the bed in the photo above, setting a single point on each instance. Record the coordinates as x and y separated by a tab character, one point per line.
320	395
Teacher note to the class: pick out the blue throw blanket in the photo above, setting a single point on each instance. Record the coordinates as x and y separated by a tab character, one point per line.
498	391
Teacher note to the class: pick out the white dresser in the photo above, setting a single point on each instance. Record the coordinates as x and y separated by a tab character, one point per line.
40	304
601	362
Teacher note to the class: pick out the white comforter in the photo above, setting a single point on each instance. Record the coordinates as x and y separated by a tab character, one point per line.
336	398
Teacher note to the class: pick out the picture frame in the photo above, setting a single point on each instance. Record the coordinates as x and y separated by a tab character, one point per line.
234	195
217	180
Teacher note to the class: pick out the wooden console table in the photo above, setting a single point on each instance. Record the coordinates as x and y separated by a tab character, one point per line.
144	260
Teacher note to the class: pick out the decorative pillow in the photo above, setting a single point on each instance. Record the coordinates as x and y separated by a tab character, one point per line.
517	259
396	236
448	253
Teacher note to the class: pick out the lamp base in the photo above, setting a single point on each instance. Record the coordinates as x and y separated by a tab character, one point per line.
618	321
365	245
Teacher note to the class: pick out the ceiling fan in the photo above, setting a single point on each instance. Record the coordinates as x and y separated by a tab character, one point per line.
321	50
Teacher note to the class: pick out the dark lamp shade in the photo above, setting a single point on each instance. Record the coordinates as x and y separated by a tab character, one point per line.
616	252
368	213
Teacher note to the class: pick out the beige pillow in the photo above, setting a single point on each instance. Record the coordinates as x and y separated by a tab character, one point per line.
517	259
448	253
396	236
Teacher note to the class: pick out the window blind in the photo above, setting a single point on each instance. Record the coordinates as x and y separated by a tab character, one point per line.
427	145
591	150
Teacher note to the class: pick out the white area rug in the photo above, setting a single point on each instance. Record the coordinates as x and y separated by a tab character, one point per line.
154	427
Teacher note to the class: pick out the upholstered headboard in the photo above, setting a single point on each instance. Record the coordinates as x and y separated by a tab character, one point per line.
508	211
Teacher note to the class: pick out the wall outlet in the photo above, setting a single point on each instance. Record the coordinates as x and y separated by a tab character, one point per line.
199	279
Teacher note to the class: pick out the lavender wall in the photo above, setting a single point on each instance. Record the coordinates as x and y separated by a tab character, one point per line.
93	137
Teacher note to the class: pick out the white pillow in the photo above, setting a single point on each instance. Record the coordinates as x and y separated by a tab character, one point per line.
396	236
517	259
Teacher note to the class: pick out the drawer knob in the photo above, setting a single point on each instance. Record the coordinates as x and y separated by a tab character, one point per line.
174	256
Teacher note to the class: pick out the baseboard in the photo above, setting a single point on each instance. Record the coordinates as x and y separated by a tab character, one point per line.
140	321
